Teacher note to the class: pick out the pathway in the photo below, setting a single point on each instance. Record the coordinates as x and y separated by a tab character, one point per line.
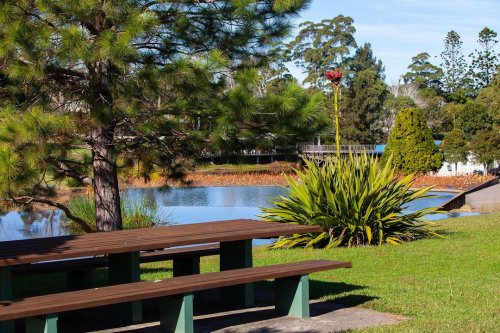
487	199
326	317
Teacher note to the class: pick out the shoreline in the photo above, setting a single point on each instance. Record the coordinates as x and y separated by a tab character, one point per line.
266	178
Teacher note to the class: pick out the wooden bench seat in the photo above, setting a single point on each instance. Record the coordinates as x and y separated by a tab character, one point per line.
291	285
177	254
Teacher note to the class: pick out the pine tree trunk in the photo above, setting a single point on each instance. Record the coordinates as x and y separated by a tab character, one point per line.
106	192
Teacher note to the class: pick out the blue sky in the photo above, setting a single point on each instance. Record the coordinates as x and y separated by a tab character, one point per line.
398	30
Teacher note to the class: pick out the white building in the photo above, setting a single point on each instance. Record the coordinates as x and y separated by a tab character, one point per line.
448	169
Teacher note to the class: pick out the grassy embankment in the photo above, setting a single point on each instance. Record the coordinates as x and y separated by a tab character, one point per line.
441	285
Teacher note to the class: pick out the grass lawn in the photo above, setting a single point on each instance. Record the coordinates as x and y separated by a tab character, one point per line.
442	285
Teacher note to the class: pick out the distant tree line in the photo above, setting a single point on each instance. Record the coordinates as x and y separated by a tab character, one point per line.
461	99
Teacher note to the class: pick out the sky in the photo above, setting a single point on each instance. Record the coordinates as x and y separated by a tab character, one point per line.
400	29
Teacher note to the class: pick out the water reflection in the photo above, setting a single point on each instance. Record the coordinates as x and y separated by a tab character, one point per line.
23	224
175	206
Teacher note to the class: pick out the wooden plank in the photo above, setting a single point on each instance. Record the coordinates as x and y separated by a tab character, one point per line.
23	252
97	262
74	300
124	238
227	277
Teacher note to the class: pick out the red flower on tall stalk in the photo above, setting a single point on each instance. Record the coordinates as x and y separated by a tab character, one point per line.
334	75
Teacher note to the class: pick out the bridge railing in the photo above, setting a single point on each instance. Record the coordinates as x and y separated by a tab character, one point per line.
330	149
254	152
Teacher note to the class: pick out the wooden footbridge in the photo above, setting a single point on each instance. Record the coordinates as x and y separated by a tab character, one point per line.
318	151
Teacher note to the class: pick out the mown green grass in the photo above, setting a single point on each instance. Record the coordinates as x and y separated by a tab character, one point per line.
441	285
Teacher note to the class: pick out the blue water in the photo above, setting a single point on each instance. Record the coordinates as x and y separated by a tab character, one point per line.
176	206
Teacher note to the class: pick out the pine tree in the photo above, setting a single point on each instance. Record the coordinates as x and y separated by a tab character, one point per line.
364	59
411	144
111	81
266	115
362	108
454	65
485	61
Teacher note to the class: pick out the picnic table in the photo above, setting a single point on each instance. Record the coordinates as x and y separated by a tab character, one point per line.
123	248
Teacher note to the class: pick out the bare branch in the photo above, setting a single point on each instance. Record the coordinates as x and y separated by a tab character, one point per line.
26	200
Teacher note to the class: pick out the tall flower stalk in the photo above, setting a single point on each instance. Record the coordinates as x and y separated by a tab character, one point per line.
335	76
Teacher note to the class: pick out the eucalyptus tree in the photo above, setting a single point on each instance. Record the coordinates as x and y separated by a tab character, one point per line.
423	73
321	46
108	80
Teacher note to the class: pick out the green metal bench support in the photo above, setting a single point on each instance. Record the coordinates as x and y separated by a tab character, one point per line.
45	324
125	268
292	296
176	314
234	255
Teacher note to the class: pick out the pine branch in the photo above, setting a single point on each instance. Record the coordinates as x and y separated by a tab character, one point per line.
63	168
53	69
27	200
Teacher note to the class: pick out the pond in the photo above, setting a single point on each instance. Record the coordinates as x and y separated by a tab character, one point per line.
176	206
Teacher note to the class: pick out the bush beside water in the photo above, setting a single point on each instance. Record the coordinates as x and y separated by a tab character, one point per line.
135	215
355	201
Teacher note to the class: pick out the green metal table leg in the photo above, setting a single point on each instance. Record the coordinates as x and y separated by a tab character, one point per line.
187	266
233	255
42	325
5	295
125	268
176	314
292	296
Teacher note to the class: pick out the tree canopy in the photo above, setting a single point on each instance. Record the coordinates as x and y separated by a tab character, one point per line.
115	80
455	147
423	72
485	60
321	46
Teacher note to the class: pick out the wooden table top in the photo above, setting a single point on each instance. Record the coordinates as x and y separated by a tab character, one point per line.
64	247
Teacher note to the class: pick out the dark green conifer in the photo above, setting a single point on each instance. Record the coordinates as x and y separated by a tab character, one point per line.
411	144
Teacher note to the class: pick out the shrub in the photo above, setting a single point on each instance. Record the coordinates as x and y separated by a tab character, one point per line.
139	214
485	146
455	147
355	201
411	144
